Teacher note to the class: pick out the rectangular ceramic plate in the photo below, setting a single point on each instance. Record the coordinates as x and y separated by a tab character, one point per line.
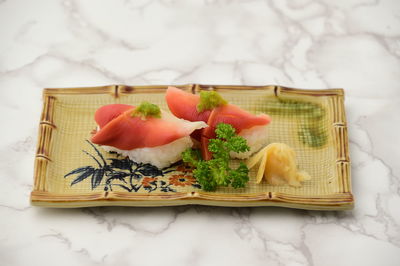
313	122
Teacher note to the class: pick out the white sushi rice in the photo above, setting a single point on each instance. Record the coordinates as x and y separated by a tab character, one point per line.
160	156
165	155
256	138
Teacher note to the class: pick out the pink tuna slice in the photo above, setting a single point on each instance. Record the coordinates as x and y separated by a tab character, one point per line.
119	129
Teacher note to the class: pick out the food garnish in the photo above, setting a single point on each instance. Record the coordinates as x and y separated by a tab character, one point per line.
217	171
210	100
146	109
278	165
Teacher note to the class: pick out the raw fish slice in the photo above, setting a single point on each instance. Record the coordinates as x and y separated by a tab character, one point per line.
205	153
184	105
127	132
233	115
109	112
236	117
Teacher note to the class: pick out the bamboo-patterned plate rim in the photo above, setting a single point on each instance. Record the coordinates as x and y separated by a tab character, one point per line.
338	201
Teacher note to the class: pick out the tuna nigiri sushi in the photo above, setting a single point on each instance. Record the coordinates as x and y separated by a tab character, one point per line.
211	108
145	133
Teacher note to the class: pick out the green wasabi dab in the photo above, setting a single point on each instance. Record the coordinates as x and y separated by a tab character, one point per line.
210	100
146	109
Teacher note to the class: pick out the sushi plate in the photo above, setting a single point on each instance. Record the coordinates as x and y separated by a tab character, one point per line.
70	171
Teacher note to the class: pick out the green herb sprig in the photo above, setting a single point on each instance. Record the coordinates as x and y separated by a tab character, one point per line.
217	171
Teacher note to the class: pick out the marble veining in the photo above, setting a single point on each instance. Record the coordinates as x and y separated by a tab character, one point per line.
300	43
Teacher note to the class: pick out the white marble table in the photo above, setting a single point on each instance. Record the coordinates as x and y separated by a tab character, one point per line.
307	44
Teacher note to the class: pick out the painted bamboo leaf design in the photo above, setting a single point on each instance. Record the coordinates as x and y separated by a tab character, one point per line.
123	173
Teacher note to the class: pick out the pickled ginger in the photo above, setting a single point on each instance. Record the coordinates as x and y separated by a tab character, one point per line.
278	165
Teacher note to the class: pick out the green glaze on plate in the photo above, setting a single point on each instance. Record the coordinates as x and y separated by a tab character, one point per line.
311	132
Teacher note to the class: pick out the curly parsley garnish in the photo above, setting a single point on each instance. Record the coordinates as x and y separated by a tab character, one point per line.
217	172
